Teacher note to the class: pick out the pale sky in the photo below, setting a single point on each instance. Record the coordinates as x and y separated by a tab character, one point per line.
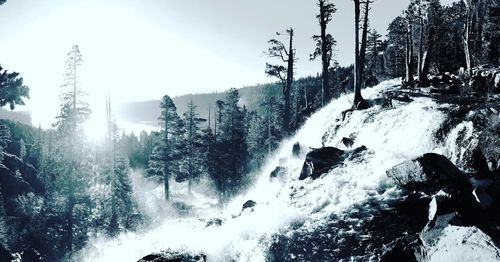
144	49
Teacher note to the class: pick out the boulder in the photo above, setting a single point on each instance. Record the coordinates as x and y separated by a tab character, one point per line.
296	149
214	222
442	241
427	171
172	256
347	142
249	204
320	161
277	172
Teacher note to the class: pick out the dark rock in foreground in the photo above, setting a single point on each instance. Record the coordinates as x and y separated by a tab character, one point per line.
170	256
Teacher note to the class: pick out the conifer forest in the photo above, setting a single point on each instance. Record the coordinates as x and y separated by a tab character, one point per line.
321	130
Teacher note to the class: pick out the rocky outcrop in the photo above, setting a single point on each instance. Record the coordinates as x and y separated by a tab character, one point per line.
321	160
427	172
172	256
442	241
214	222
296	149
277	172
249	204
347	142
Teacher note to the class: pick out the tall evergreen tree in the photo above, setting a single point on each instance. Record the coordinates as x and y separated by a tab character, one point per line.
284	73
231	151
166	152
73	161
324	46
192	159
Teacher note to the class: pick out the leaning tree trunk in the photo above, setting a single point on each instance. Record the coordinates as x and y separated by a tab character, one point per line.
466	38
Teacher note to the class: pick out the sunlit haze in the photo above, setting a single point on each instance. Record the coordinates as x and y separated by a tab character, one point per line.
141	50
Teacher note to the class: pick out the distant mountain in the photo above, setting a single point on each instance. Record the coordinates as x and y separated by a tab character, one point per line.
147	112
23	117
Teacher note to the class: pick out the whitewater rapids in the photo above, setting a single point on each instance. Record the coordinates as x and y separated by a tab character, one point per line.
391	135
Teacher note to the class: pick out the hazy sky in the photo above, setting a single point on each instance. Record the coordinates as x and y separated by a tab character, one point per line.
143	49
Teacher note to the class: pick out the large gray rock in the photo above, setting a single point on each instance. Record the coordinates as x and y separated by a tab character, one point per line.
426	171
442	241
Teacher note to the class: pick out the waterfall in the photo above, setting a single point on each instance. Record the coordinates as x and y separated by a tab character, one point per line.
391	136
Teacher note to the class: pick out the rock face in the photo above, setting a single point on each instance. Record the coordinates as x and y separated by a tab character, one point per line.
248	204
296	149
321	160
277	172
347	142
171	256
444	242
427	170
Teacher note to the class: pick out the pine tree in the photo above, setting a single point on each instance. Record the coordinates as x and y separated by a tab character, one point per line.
324	46
233	142
284	73
394	55
73	161
192	159
12	90
166	154
373	46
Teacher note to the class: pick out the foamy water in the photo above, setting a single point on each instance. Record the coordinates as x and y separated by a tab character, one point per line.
391	136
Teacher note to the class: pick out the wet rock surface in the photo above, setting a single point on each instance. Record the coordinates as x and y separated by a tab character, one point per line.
426	172
172	256
320	161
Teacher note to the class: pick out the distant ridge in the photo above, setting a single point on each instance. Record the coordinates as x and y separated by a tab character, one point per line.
23	117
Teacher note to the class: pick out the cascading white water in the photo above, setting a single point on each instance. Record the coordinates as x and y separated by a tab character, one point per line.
391	136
